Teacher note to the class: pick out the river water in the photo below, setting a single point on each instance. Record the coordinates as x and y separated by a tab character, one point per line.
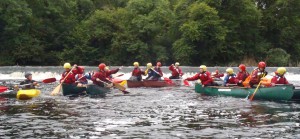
170	112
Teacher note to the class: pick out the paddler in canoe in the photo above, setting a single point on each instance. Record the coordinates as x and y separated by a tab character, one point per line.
257	74
154	74
83	77
230	78
28	83
176	71
100	78
279	77
203	75
69	75
217	75
137	73
242	75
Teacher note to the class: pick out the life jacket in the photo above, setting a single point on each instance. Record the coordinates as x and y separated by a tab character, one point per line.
266	81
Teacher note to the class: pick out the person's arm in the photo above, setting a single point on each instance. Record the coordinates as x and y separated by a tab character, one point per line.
195	77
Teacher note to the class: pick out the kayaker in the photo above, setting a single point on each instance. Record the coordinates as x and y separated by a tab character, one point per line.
217	75
100	78
279	77
70	79
28	83
257	74
230	78
137	73
242	75
203	75
176	71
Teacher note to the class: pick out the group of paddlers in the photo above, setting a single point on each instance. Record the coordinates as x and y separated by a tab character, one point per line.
102	77
243	78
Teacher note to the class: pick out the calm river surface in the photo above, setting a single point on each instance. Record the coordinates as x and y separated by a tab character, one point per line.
170	112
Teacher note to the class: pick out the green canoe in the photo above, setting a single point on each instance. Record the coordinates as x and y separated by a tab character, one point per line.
284	92
296	94
92	90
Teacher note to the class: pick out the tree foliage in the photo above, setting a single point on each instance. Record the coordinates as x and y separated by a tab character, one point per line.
119	32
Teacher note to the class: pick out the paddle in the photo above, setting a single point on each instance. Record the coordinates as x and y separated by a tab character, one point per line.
120	87
186	83
3	89
57	88
120	75
252	96
49	80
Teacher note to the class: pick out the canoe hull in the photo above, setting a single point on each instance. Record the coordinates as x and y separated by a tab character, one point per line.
270	93
92	90
296	94
28	94
148	83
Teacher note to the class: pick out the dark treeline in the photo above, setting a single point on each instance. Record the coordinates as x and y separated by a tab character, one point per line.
119	32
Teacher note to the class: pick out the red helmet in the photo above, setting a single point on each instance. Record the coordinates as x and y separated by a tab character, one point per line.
261	64
102	66
217	71
242	67
158	64
82	67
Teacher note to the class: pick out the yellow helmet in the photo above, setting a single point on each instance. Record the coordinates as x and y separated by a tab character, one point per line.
177	64
281	70
229	70
67	66
149	65
203	67
136	64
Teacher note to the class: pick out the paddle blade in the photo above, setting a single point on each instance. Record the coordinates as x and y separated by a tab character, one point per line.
123	83
49	80
3	89
56	90
168	81
186	83
120	87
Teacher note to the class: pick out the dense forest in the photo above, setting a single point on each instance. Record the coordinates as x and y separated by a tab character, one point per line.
119	32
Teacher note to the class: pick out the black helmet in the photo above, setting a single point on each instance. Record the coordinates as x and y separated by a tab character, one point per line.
27	75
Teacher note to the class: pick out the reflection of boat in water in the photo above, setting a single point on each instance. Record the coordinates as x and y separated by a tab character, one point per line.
284	92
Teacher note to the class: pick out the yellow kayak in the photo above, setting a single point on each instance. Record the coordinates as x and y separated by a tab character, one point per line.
28	94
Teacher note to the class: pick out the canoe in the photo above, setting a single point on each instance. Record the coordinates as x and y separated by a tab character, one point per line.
284	92
28	94
91	90
296	93
147	83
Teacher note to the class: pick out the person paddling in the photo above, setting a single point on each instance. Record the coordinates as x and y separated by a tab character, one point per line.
28	82
217	75
176	71
137	73
279	77
83	77
257	74
149	71
100	78
242	75
230	78
70	79
203	75
156	72
110	72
